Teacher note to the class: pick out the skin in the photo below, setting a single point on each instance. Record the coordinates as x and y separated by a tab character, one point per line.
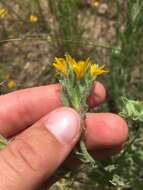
38	150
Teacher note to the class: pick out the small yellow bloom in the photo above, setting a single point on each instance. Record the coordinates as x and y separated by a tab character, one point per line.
33	18
61	65
3	12
70	60
80	68
95	3
96	70
11	84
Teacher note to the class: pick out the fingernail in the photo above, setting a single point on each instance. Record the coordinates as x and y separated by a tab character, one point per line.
64	124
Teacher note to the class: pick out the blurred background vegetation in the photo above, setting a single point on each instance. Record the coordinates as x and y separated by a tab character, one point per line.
110	32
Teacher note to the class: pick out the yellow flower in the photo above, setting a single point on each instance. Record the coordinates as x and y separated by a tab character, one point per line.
3	12
11	84
70	60
33	18
61	65
80	68
95	3
95	70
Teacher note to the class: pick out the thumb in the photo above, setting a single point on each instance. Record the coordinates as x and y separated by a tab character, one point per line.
37	152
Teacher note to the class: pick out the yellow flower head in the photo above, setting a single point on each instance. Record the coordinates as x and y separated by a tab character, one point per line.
33	18
61	65
70	60
95	70
11	84
79	68
3	12
95	3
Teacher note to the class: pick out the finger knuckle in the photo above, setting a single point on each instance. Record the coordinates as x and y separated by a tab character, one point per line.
23	157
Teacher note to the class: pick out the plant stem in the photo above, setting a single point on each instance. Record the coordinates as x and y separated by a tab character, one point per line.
88	158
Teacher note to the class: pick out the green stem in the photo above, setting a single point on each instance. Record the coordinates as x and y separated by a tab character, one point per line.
88	158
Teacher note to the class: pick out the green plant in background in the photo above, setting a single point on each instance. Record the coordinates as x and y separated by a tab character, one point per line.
132	109
52	22
125	59
68	34
123	171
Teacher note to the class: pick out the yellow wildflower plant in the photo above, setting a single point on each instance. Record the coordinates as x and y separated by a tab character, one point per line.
76	80
33	18
3	12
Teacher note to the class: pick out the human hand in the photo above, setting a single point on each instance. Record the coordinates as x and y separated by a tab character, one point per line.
45	133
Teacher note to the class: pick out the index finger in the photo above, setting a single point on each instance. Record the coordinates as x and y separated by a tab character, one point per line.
22	108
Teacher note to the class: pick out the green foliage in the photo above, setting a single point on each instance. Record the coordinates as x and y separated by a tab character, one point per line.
126	57
132	109
66	13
